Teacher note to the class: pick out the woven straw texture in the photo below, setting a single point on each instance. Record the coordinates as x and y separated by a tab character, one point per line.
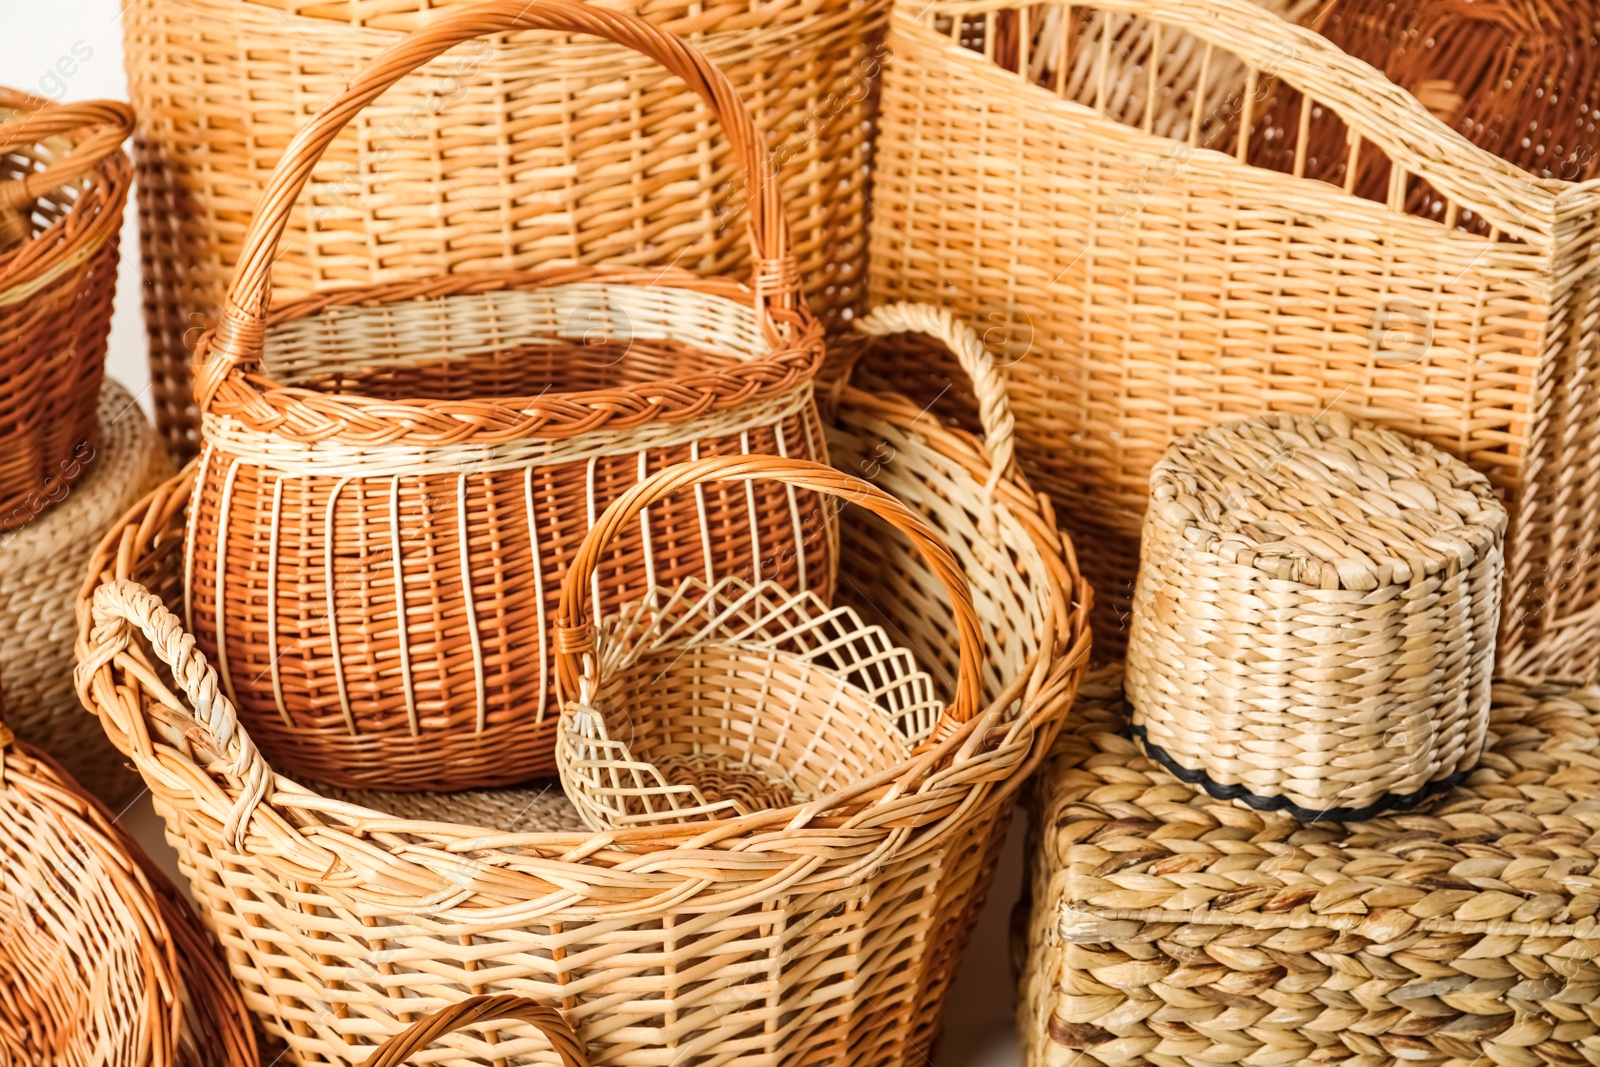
41	568
1139	282
778	938
1175	930
1314	623
102	962
1515	77
385	512
706	702
64	180
503	155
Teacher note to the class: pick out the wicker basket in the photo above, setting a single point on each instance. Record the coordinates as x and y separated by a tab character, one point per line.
103	962
1140	282
41	567
63	182
704	702
525	150
1314	624
434	453
779	938
1512	76
1171	929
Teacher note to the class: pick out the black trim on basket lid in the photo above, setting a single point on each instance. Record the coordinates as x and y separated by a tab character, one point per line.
1386	803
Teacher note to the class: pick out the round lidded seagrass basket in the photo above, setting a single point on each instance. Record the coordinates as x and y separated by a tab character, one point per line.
63	182
41	568
495	909
395	477
524	149
102	961
699	703
1314	623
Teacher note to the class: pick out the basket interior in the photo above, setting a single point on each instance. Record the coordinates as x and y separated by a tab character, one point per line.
514	343
19	224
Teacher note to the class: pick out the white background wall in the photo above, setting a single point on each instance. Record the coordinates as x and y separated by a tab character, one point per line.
38	48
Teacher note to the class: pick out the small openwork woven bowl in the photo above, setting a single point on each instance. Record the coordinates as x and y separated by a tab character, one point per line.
1314	624
710	702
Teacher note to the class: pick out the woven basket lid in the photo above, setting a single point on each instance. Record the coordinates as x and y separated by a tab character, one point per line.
1324	501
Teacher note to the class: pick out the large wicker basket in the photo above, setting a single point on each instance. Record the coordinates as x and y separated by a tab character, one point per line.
102	961
41	567
395	478
1171	929
1141	282
63	182
525	150
782	938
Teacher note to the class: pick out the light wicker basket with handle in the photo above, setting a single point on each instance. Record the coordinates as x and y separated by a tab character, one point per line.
525	148
785	937
395	478
64	179
700	703
1140	281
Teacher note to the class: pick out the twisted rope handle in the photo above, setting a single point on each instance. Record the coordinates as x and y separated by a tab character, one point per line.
994	403
475	1010
241	333
118	608
107	124
574	633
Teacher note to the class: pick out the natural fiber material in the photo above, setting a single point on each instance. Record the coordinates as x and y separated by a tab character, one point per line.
1314	624
41	568
523	150
700	703
1516	77
102	962
1136	281
474	1011
1175	930
395	478
63	182
779	938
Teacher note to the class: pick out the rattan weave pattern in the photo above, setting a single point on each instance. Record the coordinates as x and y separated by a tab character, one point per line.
810	943
1176	930
527	149
1314	623
1138	282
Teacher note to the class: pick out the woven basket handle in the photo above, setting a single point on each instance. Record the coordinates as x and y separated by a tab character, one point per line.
121	607
240	334
574	633
103	125
481	1009
1368	103
994	403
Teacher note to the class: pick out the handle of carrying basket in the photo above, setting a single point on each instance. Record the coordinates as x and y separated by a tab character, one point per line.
240	334
102	124
574	633
473	1011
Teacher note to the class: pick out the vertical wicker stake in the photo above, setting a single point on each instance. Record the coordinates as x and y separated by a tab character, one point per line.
1314	622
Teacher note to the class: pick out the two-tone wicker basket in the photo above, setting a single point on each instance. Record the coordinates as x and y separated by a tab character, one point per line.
1314	624
63	182
395	478
792	936
504	154
1076	178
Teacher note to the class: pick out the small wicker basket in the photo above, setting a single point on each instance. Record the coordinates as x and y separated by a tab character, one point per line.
474	1012
1314	622
63	182
395	477
702	702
